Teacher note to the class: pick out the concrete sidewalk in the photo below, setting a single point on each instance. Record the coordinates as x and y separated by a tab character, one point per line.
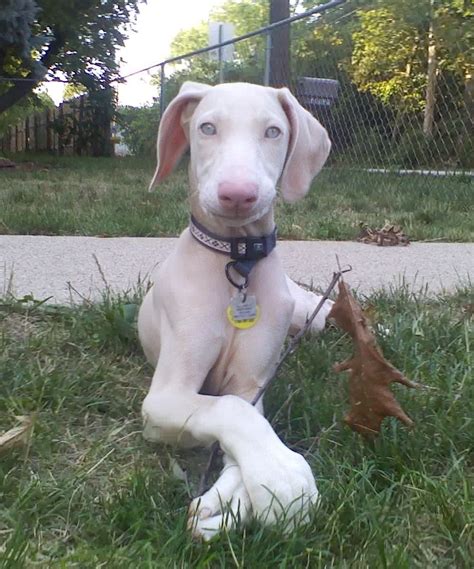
46	266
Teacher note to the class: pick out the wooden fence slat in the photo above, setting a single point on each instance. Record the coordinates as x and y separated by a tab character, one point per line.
37	132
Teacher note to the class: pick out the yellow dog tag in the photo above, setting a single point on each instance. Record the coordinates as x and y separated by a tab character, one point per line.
243	311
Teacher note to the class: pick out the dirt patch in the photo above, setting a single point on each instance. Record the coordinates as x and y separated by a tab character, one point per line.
18	327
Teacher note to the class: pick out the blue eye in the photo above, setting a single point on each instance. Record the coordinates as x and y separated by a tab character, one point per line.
272	132
208	129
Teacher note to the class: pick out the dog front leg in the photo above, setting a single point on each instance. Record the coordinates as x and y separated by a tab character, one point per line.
277	482
305	303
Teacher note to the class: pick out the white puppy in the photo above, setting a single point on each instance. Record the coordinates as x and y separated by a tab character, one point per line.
213	342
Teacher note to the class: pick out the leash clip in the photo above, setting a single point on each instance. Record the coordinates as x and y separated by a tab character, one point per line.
241	287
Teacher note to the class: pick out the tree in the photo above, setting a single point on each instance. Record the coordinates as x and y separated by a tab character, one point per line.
138	126
428	120
388	57
73	90
415	60
280	44
76	39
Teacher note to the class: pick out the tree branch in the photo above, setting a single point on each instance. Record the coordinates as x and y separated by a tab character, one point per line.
21	89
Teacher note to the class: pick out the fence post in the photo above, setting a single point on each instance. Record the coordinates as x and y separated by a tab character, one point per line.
49	144
61	135
162	89
27	133
268	49
221	57
35	131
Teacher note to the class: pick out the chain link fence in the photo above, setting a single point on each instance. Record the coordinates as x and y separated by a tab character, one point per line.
391	110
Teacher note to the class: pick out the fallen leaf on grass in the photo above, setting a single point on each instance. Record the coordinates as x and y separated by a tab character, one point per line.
17	436
370	373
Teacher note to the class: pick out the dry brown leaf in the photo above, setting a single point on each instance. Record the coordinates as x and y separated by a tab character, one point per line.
370	373
17	436
389	234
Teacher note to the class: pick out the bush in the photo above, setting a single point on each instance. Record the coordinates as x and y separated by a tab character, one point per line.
139	127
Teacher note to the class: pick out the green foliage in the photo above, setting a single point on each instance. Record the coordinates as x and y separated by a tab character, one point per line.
390	48
74	38
16	38
386	50
246	16
139	126
23	109
72	90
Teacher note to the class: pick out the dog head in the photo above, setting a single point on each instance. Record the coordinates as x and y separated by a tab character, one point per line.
244	139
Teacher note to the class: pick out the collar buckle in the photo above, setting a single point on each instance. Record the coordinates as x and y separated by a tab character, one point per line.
250	248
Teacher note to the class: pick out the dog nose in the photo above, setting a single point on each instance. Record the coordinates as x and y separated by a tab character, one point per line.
237	194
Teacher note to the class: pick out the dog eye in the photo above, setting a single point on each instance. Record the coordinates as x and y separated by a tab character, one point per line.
208	128
272	132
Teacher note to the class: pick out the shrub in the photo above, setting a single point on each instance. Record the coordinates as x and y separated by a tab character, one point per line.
139	126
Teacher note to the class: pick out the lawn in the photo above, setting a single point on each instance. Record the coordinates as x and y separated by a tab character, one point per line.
108	197
88	491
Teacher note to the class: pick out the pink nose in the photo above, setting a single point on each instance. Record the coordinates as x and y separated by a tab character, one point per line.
240	195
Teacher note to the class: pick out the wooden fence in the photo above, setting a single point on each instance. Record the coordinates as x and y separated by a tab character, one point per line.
60	130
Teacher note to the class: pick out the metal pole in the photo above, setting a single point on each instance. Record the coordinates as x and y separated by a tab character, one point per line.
221	59
268	49
162	90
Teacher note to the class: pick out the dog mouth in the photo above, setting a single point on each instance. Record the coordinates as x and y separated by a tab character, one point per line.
238	218
234	216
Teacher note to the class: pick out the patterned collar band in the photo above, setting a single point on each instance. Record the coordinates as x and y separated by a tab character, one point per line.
238	248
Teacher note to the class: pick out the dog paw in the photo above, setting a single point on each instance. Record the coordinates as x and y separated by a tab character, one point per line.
305	303
223	507
319	323
282	489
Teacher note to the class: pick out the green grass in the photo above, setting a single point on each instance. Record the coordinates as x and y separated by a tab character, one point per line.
89	492
108	197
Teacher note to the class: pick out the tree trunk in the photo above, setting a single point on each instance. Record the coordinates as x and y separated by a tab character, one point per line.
280	48
428	121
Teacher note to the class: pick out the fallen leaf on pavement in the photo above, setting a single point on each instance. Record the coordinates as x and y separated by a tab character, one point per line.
389	234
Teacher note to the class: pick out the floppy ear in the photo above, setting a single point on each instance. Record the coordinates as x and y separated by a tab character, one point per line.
172	140
308	149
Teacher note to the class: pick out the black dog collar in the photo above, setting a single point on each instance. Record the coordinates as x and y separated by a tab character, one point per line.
245	251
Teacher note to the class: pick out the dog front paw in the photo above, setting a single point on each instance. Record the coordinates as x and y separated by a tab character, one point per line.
223	507
282	489
319	323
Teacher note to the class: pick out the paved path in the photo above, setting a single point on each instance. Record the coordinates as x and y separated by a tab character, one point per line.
44	266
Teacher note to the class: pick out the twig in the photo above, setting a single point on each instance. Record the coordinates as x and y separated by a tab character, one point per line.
101	272
73	289
293	344
297	338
